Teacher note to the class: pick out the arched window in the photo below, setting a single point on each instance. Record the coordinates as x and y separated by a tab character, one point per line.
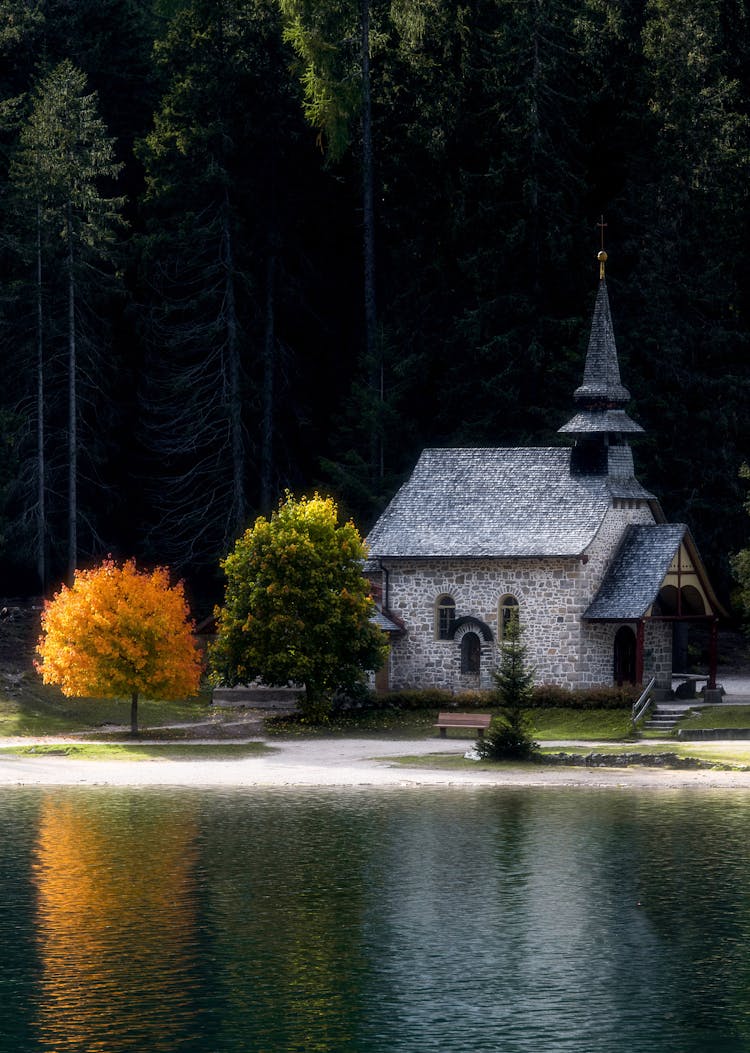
471	650
667	601
688	601
445	616
507	609
692	601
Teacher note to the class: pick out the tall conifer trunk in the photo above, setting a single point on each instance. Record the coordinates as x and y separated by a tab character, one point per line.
41	515
63	153
72	405
234	370
372	348
269	371
134	713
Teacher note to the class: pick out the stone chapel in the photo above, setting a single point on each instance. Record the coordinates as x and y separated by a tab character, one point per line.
566	538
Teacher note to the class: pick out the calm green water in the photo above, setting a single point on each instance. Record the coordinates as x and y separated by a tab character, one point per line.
459	921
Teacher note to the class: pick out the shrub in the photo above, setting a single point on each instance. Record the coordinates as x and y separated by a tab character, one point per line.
550	696
432	698
504	742
544	696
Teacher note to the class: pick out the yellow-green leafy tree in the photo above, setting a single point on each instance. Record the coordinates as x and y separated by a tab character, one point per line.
297	608
120	632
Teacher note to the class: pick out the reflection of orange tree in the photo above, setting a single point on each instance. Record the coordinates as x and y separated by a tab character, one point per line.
116	924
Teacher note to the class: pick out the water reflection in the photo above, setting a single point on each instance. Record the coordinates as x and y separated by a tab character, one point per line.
356	922
116	918
292	955
18	812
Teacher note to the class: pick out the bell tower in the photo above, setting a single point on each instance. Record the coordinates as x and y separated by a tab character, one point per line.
601	426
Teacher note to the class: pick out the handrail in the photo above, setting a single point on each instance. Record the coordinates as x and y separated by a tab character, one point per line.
642	704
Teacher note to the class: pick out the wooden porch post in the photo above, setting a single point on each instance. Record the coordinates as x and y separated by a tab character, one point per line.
639	652
713	654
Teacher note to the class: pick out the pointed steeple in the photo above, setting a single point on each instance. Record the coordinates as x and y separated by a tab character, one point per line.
602	395
601	386
601	426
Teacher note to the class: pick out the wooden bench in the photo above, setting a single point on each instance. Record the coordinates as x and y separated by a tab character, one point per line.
480	721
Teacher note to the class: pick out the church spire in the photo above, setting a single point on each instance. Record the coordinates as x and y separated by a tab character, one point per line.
601	397
601	386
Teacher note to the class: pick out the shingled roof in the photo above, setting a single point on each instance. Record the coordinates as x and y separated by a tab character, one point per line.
492	502
602	421
633	580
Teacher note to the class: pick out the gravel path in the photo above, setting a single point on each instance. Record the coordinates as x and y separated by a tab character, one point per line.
341	762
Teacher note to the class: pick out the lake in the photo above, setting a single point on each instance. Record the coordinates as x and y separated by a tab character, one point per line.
397	920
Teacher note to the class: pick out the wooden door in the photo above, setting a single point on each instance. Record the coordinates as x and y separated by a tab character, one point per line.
625	649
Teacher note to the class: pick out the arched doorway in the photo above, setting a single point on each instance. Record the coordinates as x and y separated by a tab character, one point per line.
471	650
625	650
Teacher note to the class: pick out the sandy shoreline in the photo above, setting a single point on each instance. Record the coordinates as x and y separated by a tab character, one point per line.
342	763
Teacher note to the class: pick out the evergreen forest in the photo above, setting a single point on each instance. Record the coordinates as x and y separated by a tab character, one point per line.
256	245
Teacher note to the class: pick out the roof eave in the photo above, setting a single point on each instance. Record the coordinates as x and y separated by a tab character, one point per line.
700	570
482	555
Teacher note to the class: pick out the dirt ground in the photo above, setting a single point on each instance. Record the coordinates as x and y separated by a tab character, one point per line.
19	632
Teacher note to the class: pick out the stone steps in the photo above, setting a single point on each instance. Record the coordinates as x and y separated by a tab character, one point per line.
665	718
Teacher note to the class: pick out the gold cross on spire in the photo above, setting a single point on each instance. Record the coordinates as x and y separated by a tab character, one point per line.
602	255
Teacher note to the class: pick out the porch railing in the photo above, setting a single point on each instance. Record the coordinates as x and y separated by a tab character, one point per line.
641	705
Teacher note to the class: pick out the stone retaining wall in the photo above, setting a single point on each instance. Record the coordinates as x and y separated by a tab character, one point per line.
626	760
713	734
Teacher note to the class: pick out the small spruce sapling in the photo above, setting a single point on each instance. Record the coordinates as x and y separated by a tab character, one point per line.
508	735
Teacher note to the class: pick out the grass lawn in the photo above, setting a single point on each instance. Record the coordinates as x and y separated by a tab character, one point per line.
736	754
31	708
718	717
133	752
457	762
593	724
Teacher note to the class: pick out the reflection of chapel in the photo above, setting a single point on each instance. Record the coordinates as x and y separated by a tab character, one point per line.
567	538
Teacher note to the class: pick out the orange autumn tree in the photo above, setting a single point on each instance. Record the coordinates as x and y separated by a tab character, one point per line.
119	632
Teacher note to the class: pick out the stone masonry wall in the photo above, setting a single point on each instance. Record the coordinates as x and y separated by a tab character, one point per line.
552	595
598	652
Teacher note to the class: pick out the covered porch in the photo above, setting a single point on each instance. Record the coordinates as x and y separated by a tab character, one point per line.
658	578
